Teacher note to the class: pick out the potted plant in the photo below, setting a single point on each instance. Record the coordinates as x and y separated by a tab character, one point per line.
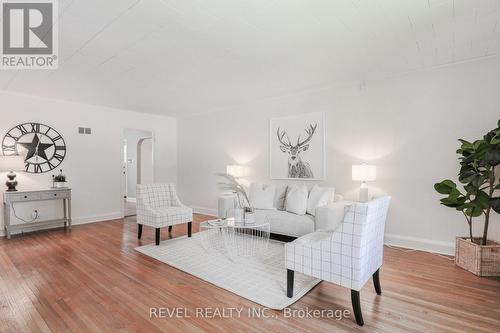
59	180
477	199
231	184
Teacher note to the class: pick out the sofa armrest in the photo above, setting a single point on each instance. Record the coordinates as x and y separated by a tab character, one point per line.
331	216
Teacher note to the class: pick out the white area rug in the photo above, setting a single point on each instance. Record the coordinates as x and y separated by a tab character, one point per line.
260	279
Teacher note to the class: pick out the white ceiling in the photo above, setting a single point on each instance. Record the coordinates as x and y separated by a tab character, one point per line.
180	57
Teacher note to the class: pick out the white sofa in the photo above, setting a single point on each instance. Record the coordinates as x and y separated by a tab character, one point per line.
289	224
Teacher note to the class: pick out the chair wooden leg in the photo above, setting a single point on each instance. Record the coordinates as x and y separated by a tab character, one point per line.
190	228
356	306
139	231
169	228
289	283
157	236
376	282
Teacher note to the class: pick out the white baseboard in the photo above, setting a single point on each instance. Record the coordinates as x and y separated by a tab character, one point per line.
97	218
205	211
81	220
422	244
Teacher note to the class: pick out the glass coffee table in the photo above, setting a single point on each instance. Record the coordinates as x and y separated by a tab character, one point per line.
235	238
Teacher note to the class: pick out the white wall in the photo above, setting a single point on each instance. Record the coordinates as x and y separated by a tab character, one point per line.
408	126
132	137
93	163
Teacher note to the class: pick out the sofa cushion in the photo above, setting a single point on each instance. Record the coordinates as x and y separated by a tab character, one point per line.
262	196
296	199
331	216
280	197
285	223
319	196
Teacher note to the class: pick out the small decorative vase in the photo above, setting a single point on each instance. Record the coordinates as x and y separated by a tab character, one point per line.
249	215
239	215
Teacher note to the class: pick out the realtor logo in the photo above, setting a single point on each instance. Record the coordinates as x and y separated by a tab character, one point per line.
29	34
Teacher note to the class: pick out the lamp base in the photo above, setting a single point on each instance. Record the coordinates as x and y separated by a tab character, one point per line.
12	182
363	193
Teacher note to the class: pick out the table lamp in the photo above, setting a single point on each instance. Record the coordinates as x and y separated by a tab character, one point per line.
11	163
237	171
364	173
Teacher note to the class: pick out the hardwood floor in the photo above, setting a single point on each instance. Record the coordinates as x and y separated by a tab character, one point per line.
92	280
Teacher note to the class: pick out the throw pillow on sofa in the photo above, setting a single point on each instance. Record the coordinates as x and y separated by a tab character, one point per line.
319	196
262	196
280	197
296	199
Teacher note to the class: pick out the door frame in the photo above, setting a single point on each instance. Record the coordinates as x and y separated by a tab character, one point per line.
125	179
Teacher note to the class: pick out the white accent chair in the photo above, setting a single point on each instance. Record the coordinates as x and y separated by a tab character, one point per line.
347	256
158	206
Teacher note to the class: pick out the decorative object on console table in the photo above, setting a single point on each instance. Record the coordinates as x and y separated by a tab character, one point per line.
59	181
478	161
364	173
297	147
12	198
11	163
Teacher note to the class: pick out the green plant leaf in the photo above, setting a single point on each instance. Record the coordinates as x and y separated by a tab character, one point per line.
454	195
495	204
494	137
482	200
449	203
445	187
477	181
473	211
466	145
467	176
477	144
492	157
470	189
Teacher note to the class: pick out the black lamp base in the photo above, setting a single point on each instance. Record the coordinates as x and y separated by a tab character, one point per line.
12	182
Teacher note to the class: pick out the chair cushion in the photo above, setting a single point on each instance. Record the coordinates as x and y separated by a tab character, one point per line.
331	216
312	237
285	223
167	216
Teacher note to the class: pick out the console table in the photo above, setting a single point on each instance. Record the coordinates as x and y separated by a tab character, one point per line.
11	198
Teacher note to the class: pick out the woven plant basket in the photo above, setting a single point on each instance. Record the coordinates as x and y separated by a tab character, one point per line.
482	260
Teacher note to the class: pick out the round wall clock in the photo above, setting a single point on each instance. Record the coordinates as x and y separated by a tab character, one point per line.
42	145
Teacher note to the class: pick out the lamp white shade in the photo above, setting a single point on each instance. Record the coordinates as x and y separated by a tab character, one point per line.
237	171
12	163
364	172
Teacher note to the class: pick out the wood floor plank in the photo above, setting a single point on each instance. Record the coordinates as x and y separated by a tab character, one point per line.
92	280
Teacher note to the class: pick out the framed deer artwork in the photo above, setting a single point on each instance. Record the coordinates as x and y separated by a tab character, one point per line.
297	147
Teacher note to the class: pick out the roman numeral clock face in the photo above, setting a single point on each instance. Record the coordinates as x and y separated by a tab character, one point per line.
42	145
